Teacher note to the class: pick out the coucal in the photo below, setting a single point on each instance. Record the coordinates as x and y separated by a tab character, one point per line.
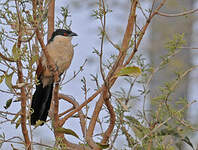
61	51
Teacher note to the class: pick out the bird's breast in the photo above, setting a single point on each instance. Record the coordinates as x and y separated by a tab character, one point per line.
61	52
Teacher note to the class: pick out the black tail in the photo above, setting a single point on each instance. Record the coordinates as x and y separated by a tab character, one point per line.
41	101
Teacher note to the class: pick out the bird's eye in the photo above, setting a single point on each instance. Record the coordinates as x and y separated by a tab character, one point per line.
65	34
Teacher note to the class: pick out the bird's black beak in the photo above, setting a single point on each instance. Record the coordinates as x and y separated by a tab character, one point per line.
73	34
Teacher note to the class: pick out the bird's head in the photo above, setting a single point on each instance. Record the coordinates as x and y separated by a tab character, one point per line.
62	32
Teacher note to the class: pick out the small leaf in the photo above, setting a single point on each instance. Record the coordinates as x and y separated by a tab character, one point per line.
67	131
39	123
13	148
2	139
18	123
2	136
133	120
137	127
103	146
117	46
164	132
139	132
34	59
15	118
8	80
1	78
15	52
125	107
129	71
1	143
8	103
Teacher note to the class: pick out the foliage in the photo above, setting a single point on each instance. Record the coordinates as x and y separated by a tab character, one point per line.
165	126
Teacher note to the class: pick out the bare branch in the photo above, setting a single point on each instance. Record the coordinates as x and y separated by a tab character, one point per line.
21	80
62	121
6	58
178	14
125	41
50	16
75	105
143	32
109	130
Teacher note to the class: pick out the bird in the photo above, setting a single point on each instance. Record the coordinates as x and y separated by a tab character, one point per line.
60	50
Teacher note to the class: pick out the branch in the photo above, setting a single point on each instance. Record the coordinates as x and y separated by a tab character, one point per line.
143	32
178	14
106	93
21	80
125	41
194	48
75	105
49	59
65	112
56	105
109	130
62	121
6	58
103	22
163	123
93	120
50	16
75	73
72	146
117	64
40	39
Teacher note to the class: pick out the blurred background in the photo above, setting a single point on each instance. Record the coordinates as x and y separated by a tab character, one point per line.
153	47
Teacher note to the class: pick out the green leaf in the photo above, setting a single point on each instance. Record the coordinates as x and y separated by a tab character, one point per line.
8	80
8	103
136	126
2	136
2	78
34	59
133	120
158	98
2	139
15	52
1	143
103	146
138	132
164	132
129	71
67	131
13	148
38	123
15	118
18	123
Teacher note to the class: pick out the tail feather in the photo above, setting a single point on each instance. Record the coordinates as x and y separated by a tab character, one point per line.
41	101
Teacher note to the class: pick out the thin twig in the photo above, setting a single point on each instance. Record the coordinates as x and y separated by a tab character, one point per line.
75	74
6	58
178	14
140	7
163	123
103	22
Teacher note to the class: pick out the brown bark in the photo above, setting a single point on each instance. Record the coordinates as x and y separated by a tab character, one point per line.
50	16
21	80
